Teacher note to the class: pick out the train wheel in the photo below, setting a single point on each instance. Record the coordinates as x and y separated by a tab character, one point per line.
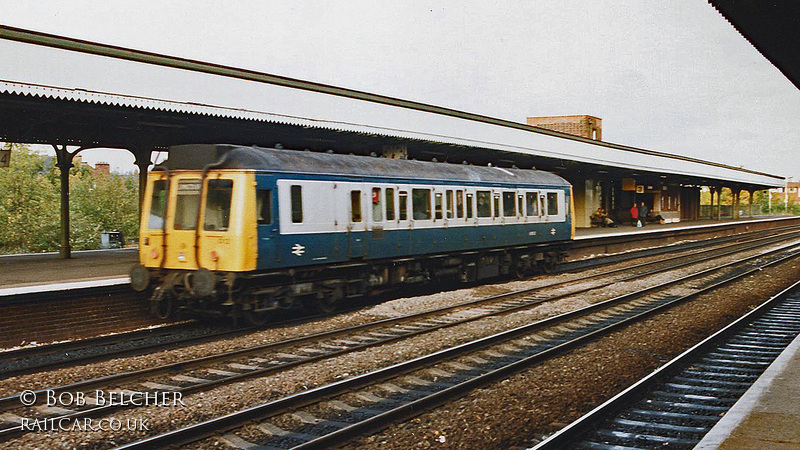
161	306
549	262
259	311
519	268
330	301
256	318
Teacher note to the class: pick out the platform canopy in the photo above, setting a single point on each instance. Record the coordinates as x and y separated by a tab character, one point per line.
772	27
86	94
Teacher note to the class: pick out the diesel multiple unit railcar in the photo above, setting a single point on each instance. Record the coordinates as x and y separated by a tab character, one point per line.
242	231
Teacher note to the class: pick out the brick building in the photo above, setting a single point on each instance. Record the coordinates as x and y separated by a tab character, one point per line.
589	127
793	195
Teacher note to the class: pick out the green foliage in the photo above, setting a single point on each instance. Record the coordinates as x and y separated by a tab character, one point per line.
30	204
761	198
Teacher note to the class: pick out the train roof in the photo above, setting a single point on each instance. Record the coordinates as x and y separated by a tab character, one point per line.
224	156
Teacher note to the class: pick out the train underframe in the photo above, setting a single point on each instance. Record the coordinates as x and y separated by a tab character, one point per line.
255	296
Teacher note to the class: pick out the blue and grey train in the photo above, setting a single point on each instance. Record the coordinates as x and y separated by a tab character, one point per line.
241	231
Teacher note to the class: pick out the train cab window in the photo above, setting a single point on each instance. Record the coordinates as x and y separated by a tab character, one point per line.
389	203
403	204
264	206
449	207
377	206
469	206
187	205
438	204
421	204
496	205
552	203
508	204
355	206
158	204
484	204
531	203
460	204
297	204
218	205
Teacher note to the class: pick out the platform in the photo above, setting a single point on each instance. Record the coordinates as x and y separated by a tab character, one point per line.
26	273
46	271
585	233
767	417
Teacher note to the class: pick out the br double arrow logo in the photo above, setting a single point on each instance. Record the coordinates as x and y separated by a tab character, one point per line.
298	249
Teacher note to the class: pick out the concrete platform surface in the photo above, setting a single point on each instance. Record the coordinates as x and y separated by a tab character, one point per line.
32	270
767	417
585	233
18	271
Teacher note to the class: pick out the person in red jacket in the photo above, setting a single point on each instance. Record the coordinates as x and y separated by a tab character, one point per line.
634	214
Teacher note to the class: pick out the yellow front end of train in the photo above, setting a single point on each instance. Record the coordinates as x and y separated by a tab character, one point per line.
188	217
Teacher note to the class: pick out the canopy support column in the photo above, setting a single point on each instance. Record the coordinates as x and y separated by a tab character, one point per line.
64	162
143	155
713	190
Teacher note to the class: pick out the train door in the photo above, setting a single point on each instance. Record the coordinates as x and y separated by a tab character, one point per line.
357	223
379	217
267	222
543	207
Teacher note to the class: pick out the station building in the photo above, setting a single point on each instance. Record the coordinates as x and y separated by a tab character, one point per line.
617	192
196	102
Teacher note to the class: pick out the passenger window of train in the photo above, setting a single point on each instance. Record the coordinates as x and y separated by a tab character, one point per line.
297	204
158	203
355	206
403	199
264	206
377	207
496	205
389	204
187	205
421	203
552	203
218	205
449	204
438	205
484	204
460	204
531	203
469	206
508	204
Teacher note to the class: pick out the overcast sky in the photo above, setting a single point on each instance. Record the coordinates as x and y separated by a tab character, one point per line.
672	75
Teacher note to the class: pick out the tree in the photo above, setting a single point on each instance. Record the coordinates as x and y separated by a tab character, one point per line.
103	202
30	204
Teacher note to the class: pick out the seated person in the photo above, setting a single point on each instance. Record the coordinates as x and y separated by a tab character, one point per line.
600	218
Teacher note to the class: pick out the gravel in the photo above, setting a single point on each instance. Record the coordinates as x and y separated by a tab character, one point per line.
522	409
516	411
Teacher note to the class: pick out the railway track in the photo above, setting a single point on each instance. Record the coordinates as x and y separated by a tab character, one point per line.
53	356
389	330
675	406
331	414
85	351
557	323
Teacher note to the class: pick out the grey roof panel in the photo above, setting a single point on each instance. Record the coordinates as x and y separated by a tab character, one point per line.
306	162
